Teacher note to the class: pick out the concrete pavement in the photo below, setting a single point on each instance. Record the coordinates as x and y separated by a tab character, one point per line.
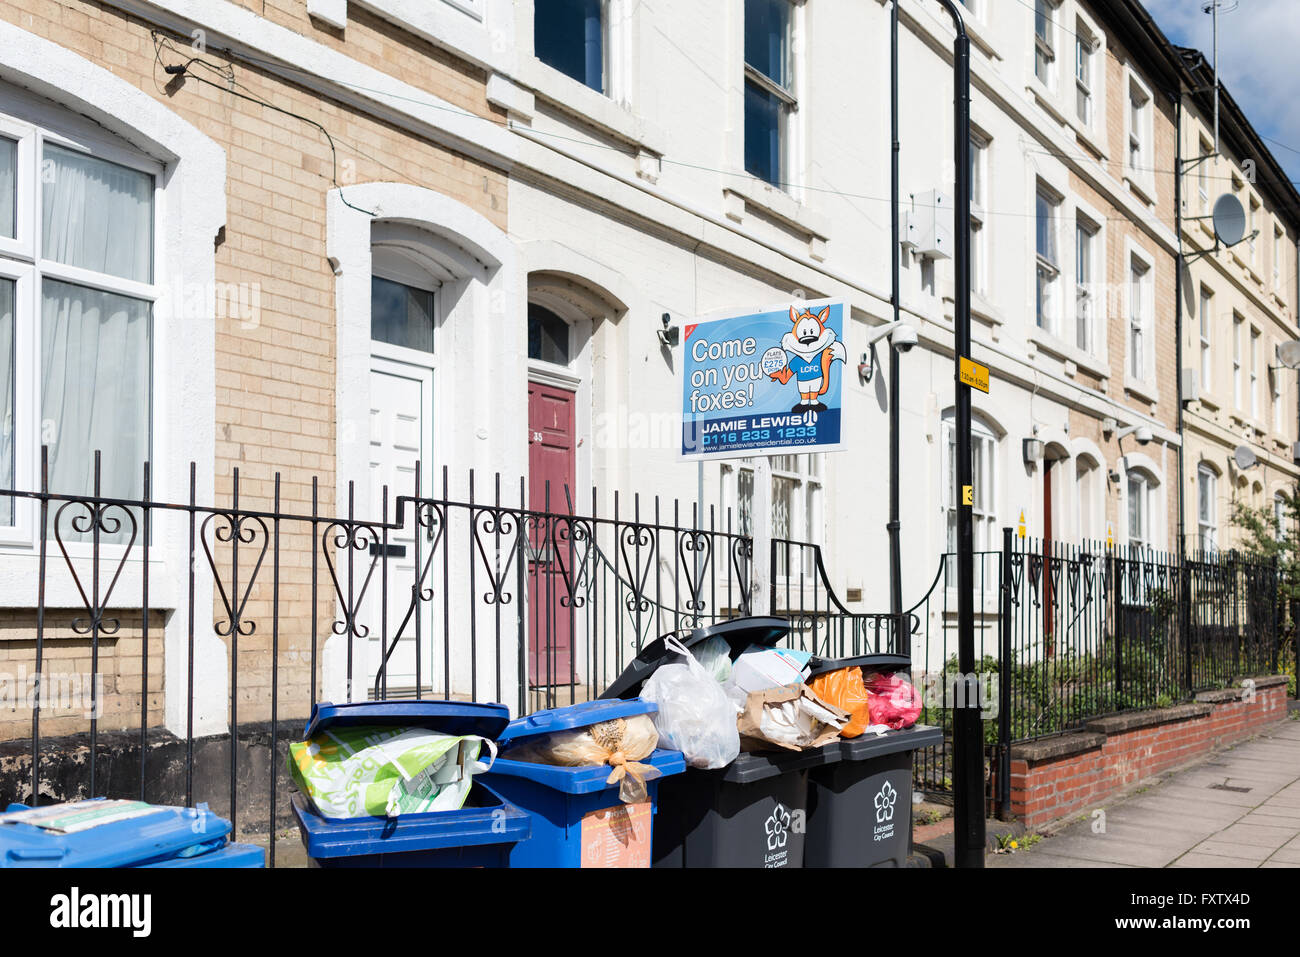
1239	807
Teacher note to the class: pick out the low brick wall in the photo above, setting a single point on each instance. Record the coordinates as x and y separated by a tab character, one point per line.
1059	776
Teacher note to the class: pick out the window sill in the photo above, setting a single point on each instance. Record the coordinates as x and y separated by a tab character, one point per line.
981	307
975	29
1144	187
1048	100
745	191
1143	389
450	25
1095	142
20	577
1058	348
595	109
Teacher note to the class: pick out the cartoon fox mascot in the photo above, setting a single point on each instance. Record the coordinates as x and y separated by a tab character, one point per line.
810	348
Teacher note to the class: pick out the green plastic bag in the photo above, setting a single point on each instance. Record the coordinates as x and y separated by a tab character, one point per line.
387	771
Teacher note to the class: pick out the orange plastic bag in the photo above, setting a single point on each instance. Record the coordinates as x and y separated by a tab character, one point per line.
845	689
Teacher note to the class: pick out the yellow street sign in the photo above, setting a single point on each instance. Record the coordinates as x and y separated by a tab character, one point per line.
974	375
967	495
1110	535
1021	529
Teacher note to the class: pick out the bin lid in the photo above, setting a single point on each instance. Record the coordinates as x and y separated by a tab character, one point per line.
486	818
739	634
225	858
574	716
820	666
105	833
447	717
868	746
590	779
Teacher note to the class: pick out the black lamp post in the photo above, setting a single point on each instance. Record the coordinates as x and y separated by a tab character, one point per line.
968	738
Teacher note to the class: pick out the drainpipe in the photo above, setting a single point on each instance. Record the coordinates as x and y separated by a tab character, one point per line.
902	638
1184	581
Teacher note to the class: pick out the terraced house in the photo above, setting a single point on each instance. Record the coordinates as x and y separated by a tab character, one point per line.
1238	307
407	283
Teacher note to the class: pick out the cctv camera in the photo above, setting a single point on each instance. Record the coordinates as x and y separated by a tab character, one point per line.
1143	436
903	338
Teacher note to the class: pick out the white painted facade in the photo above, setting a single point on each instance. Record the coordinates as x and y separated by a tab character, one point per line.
646	189
628	206
640	204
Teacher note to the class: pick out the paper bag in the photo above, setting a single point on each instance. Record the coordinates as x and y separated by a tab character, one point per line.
793	718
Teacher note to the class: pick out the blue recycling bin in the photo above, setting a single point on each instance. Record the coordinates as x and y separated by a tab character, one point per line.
109	833
225	858
578	820
479	834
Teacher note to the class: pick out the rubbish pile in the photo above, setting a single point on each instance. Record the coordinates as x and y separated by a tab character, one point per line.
716	701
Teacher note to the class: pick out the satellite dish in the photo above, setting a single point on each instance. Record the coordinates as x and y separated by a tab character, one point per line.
1288	354
1229	219
1244	456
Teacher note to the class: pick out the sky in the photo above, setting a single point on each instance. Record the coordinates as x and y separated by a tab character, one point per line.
1258	45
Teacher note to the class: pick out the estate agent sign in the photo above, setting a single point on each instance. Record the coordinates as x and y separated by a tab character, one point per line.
769	382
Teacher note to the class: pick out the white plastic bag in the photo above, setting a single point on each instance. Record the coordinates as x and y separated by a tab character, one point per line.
715	656
695	715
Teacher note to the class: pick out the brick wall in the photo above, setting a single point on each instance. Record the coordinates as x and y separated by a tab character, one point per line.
66	663
275	373
1060	776
1119	231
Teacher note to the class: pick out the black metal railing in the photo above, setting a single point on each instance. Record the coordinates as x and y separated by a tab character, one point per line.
1066	633
195	636
820	621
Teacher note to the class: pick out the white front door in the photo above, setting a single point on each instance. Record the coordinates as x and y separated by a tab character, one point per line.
401	434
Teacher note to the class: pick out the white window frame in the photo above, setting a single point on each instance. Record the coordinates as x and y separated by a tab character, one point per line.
1277	258
1047	306
1085	283
979	145
1279	515
1139	125
1203	173
409	274
1278	390
1207	508
21	260
564	375
1085	51
1146	486
790	177
1252	220
1139	293
1087	482
806	521
475	8
1206	326
984	511
1254	373
1044	46
1238	323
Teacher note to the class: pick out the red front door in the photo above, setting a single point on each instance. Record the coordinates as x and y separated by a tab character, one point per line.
551	453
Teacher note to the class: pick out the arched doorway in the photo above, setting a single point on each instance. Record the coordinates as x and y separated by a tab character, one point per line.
405	292
558	420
